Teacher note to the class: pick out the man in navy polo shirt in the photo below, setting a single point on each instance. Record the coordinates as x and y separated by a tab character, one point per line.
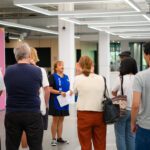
23	82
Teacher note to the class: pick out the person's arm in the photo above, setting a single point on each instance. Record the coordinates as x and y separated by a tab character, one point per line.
53	91
135	109
46	95
137	93
116	87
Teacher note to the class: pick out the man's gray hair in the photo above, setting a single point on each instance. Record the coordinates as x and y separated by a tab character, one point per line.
22	51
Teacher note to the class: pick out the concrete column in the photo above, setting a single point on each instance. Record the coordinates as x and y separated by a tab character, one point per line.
124	45
66	50
104	56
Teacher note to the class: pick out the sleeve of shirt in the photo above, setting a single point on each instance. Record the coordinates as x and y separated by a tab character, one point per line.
137	84
51	81
2	86
117	84
45	82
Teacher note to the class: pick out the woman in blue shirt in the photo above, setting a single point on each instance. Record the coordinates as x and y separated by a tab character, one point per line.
59	85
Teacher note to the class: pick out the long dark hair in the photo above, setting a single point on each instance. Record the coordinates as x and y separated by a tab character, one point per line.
128	66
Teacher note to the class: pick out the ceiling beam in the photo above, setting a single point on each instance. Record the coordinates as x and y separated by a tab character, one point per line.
129	30
21	26
117	23
35	2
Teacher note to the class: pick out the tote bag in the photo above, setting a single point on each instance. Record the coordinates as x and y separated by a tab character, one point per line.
121	100
111	111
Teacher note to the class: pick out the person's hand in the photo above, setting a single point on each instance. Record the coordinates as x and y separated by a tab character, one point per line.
63	94
133	127
71	92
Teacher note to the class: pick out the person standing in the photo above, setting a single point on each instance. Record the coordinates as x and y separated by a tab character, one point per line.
140	114
90	89
23	82
44	94
125	139
59	85
125	54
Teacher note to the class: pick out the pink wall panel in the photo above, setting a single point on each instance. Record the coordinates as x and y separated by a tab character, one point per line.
2	64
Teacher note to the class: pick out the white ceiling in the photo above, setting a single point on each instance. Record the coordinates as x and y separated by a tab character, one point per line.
123	19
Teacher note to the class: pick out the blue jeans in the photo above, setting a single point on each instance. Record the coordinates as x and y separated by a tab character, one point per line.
142	140
125	140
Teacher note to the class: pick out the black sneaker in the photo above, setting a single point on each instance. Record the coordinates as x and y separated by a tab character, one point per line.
62	141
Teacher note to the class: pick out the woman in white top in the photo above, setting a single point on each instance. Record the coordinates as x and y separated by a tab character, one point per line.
44	95
90	89
125	140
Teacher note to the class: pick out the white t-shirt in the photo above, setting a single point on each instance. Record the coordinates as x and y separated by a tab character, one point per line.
45	83
127	88
2	86
90	92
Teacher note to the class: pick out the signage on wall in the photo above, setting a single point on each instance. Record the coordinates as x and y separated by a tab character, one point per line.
2	65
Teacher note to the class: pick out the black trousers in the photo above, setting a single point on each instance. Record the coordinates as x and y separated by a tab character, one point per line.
16	123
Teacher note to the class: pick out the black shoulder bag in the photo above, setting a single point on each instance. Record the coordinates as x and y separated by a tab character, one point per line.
111	111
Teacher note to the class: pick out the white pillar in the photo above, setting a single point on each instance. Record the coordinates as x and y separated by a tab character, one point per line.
104	56
124	45
66	50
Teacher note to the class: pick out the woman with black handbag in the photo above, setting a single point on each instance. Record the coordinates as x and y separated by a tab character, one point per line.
90	124
125	140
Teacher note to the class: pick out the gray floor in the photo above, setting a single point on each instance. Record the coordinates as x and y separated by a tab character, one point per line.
69	133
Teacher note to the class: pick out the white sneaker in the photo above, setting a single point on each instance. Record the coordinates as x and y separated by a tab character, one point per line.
53	142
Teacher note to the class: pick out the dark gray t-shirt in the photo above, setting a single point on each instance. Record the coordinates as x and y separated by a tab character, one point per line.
142	84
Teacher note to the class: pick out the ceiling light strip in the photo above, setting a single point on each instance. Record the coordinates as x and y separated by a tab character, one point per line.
98	29
111	23
123	25
15	25
37	2
129	30
71	20
130	37
146	17
135	34
76	13
36	9
107	16
133	5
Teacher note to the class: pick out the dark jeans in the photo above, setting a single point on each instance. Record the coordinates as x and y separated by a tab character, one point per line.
142	140
16	123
